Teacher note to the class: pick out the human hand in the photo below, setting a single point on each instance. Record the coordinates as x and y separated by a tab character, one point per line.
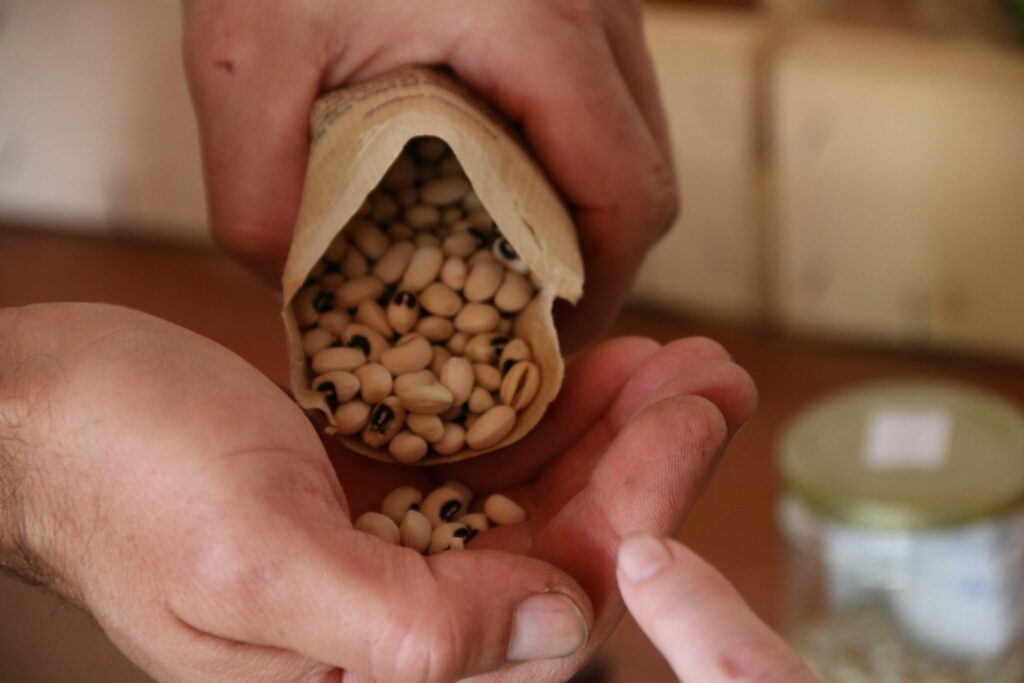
698	620
574	73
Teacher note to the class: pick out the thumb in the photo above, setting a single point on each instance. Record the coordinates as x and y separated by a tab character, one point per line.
389	614
698	620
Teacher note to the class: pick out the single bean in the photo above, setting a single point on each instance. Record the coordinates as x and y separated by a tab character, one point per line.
415	531
403	382
479	257
503	510
453	440
486	348
459	245
480	401
334	322
354	264
338	358
423	268
331	281
492	427
451	536
515	351
435	328
507	254
430	427
403	311
368	238
422	216
444	190
477	318
441	356
410	354
487	376
351	417
450	215
480	219
407	448
402	173
483	281
400	501
375	382
443	504
477	521
383	207
453	273
369	313
457	377
315	340
370	341
520	385
381	526
386	420
426	399
337	387
458	342
441	300
514	293
427	239
306	311
464	492
391	266
400	232
358	289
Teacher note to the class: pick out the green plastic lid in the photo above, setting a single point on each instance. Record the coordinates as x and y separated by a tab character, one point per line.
907	455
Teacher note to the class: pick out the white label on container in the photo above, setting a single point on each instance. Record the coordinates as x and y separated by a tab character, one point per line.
908	438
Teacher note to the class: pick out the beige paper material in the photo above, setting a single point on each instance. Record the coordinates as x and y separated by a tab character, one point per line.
357	133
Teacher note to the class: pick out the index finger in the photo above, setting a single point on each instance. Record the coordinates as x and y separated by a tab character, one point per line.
697	619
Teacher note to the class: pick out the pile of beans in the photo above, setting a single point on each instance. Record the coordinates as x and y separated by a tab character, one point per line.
407	319
439	521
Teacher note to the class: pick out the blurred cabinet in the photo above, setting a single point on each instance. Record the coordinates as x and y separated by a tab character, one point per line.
899	189
707	64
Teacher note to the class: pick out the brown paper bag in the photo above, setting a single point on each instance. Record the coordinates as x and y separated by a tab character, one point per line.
357	133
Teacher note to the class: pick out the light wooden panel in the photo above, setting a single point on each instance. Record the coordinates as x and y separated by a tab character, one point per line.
899	208
707	63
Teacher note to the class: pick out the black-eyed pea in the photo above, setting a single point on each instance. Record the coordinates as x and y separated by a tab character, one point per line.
492	427
337	387
425	399
471	419
386	419
444	190
400	232
480	256
427	239
450	215
459	245
358	289
444	504
402	173
337	358
368	340
483	281
480	401
315	340
435	328
336	249
403	382
476	521
374	382
391	266
422	216
450	536
485	348
368	238
457	376
464	492
440	299
520	386
383	207
423	268
503	510
351	417
457	343
334	322
430	427
453	273
477	318
369	313
354	264
516	350
441	356
415	531
403	312
407	448
400	501
381	526
429	149
453	440
410	354
507	254
331	281
487	376
309	303
514	293
481	220
407	197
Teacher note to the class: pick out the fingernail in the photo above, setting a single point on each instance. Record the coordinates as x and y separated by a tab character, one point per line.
641	557
546	626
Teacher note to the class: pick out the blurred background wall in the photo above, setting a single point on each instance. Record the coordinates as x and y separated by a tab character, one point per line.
849	168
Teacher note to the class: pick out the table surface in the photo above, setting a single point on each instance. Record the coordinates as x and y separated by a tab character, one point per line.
732	526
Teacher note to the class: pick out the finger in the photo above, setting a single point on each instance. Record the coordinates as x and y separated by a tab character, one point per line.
725	384
353	601
697	619
252	106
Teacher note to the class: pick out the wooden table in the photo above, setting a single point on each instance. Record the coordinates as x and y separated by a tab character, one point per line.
733	526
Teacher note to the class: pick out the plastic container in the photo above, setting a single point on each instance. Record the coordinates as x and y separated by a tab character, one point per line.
904	514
